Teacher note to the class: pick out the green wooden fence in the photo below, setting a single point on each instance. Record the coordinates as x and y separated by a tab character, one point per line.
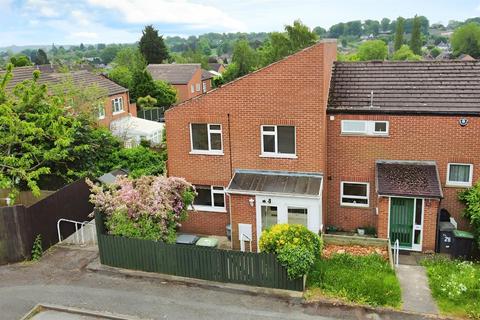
257	269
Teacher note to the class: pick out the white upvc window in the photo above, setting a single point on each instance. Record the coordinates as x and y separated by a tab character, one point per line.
117	105
206	138
192	88
278	141
209	198
459	175
198	87
354	194
363	127
204	84
101	111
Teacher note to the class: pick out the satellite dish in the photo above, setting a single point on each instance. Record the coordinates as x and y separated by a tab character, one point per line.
463	122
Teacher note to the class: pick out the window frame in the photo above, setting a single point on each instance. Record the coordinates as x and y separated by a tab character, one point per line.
212	208
357	205
274	133
197	87
204	86
369	128
209	132
459	184
101	111
192	88
114	105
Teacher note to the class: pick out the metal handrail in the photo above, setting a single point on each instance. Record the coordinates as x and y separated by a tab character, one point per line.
242	242
76	223
396	252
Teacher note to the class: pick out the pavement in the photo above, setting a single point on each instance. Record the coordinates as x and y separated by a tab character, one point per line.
416	294
61	278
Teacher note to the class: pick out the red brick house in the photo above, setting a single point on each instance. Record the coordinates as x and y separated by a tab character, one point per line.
189	79
304	140
117	103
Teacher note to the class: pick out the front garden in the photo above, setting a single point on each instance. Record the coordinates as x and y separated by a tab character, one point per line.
358	274
455	286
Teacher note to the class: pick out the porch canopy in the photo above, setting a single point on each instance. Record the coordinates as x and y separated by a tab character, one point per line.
408	179
276	182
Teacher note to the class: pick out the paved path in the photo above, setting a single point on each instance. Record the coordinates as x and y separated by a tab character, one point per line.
416	293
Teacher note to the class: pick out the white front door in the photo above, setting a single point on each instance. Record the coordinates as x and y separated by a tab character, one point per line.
274	210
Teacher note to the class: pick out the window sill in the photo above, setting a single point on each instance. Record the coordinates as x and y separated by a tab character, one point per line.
207	153
455	185
343	205
280	156
365	135
208	209
118	112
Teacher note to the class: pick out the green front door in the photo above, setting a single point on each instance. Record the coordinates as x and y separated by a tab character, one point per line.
401	221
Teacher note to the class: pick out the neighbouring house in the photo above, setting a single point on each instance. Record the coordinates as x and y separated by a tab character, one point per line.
218	68
465	57
117	103
345	144
133	130
189	79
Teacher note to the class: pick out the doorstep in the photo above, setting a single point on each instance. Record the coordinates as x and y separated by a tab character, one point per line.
96	266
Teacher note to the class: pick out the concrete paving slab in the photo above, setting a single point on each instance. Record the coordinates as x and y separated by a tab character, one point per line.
416	293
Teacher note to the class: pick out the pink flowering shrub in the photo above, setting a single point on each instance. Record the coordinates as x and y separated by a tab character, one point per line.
150	207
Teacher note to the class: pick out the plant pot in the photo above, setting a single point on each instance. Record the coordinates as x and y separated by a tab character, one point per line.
361	232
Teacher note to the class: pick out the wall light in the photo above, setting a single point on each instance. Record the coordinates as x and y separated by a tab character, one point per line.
251	201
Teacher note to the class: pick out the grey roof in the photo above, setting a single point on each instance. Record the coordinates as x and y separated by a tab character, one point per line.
175	73
429	87
110	177
408	179
206	75
275	182
215	66
50	77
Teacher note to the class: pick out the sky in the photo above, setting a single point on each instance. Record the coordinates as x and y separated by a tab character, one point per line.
43	22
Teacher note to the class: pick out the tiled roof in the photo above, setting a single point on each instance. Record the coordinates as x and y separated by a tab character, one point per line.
174	73
50	77
408	179
434	87
214	66
206	75
275	182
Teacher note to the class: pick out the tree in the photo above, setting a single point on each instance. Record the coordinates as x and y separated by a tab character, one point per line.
372	50
466	40
353	28
152	46
300	36
471	198
371	27
143	85
416	39
164	94
121	75
41	57
435	52
36	131
385	24
20	61
108	54
337	30
244	57
319	31
399	31
127	61
405	53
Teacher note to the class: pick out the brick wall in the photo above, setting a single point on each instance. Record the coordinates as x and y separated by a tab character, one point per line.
109	116
242	212
412	137
185	91
292	91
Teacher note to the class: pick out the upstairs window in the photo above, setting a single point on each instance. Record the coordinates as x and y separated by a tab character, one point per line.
459	174
198	87
192	88
206	138
117	105
209	198
278	141
354	194
204	86
362	127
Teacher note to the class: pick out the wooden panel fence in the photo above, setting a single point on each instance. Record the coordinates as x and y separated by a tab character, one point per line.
257	269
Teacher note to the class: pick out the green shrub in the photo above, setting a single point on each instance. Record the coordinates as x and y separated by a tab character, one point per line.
361	279
471	198
296	247
455	285
37	250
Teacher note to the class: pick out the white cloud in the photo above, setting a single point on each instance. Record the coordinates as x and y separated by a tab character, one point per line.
43	8
80	18
82	35
175	12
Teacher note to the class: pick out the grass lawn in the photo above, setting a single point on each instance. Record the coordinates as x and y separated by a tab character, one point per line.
360	279
455	286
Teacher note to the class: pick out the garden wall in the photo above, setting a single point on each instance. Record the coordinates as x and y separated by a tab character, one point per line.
257	269
20	224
